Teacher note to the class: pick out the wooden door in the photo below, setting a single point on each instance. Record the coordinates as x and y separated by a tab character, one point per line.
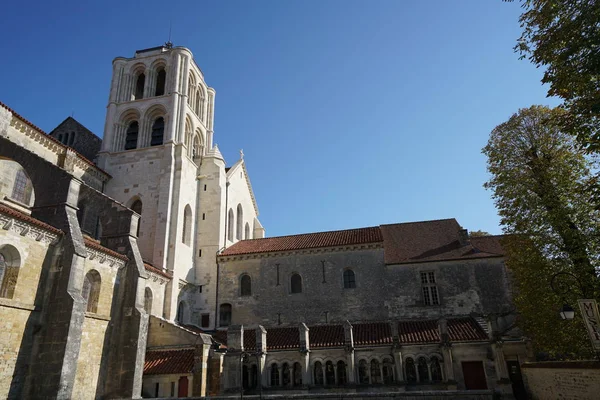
182	391
474	375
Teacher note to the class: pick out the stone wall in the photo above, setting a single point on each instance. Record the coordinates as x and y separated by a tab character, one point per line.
168	385
71	133
575	380
420	395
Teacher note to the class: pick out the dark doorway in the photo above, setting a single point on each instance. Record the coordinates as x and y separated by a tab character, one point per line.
474	375
183	387
514	372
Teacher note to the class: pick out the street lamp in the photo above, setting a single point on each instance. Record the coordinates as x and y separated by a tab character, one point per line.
567	312
564	286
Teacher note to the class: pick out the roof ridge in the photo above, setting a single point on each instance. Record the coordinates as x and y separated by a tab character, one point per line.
311	233
423	221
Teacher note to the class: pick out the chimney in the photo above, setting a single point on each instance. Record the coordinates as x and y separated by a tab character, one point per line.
463	237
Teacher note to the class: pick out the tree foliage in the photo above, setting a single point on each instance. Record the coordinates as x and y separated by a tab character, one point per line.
478	233
564	37
538	173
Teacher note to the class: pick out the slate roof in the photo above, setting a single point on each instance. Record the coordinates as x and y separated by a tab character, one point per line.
306	241
161	362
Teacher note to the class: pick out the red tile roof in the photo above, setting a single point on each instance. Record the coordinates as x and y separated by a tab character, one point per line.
97	246
28	218
418	332
465	330
162	362
326	336
373	333
157	271
306	241
430	241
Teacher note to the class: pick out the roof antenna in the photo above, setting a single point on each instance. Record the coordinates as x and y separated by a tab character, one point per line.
169	44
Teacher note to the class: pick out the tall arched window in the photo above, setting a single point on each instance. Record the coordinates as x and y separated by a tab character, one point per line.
410	370
240	222
131	137
349	279
91	290
318	373
230	225
423	369
22	188
375	372
148	300
247	231
137	207
297	374
139	87
341	373
10	262
246	285
161	78
296	283
329	373
436	370
187	225
363	372
225	315
274	375
158	132
196	148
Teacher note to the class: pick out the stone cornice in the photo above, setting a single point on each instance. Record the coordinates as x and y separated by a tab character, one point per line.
102	257
319	250
28	229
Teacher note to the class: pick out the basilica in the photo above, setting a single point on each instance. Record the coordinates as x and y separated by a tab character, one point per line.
136	266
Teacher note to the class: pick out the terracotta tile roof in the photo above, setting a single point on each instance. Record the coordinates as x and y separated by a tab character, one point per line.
157	271
283	338
418	332
97	246
306	241
162	362
429	241
465	330
53	139
326	336
372	333
28	218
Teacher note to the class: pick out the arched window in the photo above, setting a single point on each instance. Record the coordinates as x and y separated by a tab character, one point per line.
225	314
10	262
240	222
196	149
161	78
329	373
349	279
148	300
139	87
410	370
137	207
187	225
285	375
297	374
388	371
375	372
246	285
181	317
131	137
247	231
230	225
22	188
436	370
158	132
341	373
318	373
363	372
296	283
423	369
274	375
197	105
91	290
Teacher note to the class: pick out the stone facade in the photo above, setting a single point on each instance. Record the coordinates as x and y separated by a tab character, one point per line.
71	133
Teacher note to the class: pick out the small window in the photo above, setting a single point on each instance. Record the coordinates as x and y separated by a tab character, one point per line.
429	288
225	315
246	285
161	78
247	231
230	225
205	321
296	283
156	389
240	222
158	131
187	225
274	375
131	136
91	290
172	389
22	188
349	279
410	370
318	373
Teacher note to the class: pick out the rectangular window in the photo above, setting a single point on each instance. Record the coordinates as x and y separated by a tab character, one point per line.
172	389
429	289
200	253
156	389
205	321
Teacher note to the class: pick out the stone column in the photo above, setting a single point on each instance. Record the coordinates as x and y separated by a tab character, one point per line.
235	344
500	361
349	347
305	351
261	353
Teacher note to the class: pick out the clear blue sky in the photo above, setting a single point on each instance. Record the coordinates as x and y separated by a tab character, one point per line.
350	113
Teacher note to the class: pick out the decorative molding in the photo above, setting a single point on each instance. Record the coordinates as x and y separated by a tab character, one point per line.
102	257
156	277
363	246
27	229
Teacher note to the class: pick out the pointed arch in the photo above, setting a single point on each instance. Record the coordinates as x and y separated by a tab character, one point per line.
22	187
247	231
91	290
230	225
161	80
240	222
158	132
187	225
10	264
156	118
188	135
198	145
245	285
191	89
140	83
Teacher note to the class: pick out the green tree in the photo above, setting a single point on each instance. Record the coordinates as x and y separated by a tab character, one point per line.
478	233
564	37
538	173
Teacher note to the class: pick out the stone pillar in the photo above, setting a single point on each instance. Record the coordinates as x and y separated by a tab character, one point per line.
397	352
500	361
200	376
261	354
305	351
233	357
